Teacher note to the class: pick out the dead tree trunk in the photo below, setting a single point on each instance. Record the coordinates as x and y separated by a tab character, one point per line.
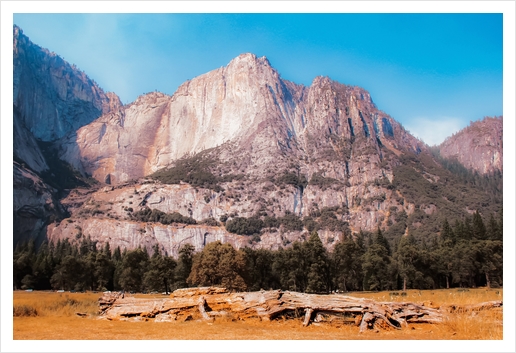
206	303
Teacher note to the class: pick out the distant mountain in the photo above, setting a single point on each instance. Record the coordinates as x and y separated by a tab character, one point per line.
478	147
238	155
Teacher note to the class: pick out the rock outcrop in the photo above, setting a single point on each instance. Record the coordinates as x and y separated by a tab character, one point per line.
478	147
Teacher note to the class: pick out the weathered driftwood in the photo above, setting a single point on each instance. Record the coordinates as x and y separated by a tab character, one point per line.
209	302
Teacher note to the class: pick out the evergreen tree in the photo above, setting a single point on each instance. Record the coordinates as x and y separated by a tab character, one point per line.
347	261
381	240
160	273
259	271
406	256
492	231
444	254
463	267
377	264
69	274
104	270
447	235
318	278
489	260
184	266
478	228
23	260
133	268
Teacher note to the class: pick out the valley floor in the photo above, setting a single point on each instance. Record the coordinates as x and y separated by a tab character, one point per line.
56	319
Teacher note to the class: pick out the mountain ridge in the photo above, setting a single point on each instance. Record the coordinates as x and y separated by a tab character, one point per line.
235	144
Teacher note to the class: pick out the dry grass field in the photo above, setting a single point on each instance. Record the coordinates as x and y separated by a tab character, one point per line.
53	316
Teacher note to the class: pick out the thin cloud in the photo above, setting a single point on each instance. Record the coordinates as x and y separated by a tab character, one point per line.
433	131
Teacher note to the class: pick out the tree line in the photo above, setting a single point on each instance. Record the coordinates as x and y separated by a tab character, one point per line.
467	253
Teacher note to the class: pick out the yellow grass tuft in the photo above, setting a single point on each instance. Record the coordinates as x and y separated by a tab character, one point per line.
54	304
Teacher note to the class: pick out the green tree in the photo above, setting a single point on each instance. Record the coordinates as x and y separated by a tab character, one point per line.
23	259
406	256
489	260
69	274
347	263
259	269
381	240
494	230
104	270
43	267
445	250
184	265
377	264
478	227
218	265
160	273
134	265
463	264
318	279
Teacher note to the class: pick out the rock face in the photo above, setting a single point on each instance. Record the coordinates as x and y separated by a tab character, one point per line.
35	205
53	97
478	147
252	123
238	141
104	216
246	104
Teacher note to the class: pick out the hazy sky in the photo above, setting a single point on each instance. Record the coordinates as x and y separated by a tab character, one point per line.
434	73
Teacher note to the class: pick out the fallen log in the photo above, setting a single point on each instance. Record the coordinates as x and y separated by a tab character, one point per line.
474	307
210	302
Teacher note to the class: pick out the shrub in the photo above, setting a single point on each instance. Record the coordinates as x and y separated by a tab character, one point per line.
291	222
288	178
24	310
195	171
148	215
210	222
322	182
244	226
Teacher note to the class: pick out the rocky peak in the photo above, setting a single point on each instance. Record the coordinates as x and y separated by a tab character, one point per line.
53	97
478	146
245	103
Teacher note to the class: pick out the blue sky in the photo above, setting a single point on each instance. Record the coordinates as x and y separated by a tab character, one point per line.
434	73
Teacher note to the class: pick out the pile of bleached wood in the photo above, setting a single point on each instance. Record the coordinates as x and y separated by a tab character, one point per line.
210	302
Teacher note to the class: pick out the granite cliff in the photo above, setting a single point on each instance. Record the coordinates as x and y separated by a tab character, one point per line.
51	98
236	145
478	147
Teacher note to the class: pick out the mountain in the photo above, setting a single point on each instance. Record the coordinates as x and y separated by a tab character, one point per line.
245	104
50	99
478	147
238	155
